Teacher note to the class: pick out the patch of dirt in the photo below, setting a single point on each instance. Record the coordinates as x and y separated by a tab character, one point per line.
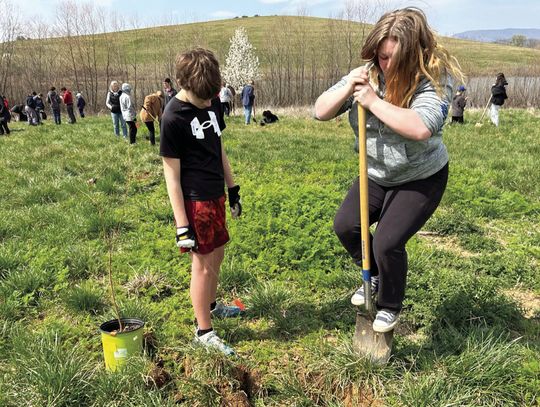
143	175
357	397
408	331
157	377
237	392
231	398
528	300
449	243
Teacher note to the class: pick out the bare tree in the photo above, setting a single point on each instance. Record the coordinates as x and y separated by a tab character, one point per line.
10	23
66	17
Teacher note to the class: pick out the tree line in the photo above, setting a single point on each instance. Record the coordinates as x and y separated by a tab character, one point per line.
86	47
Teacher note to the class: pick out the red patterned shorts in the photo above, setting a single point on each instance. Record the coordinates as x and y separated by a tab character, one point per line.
208	221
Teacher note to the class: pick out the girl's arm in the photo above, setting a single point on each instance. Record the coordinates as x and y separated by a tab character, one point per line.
404	121
171	169
328	105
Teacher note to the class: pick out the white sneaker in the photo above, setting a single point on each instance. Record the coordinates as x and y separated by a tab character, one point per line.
358	296
385	320
211	340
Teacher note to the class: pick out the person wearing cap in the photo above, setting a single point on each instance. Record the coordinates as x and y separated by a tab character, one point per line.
458	105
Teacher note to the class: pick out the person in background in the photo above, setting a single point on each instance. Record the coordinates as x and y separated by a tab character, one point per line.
54	100
498	96
113	104
30	109
151	111
248	101
40	108
18	113
128	111
458	105
4	116
233	98
196	169
168	91
225	97
81	103
406	89
67	97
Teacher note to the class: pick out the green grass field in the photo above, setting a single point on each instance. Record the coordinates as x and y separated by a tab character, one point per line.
469	334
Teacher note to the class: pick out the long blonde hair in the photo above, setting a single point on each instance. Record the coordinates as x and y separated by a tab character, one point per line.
416	54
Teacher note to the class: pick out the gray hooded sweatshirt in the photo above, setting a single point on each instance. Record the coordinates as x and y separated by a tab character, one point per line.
393	159
126	105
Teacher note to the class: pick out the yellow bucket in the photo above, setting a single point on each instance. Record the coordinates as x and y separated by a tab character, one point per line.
118	347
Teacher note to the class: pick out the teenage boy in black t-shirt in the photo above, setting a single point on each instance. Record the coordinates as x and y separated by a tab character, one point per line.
196	169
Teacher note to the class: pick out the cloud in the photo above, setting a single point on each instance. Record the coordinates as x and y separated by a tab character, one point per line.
224	14
273	1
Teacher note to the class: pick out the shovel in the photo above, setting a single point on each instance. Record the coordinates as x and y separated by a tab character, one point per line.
479	123
373	345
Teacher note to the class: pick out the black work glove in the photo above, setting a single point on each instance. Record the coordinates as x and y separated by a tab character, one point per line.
185	238
234	201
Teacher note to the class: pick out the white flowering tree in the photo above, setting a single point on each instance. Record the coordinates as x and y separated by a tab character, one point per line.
241	64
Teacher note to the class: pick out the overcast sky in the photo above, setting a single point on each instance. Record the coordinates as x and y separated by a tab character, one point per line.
445	16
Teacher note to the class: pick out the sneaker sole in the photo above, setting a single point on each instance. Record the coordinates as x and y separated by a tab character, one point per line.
384	329
357	302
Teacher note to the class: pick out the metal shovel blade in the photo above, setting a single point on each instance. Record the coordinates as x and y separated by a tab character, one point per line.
375	346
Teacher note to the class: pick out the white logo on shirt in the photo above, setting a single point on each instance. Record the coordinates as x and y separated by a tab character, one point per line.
198	129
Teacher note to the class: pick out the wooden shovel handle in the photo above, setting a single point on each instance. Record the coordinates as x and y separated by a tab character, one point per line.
364	206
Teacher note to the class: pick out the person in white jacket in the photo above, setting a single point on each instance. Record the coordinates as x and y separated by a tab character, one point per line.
128	111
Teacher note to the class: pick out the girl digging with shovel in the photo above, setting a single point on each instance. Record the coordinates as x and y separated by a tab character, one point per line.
406	89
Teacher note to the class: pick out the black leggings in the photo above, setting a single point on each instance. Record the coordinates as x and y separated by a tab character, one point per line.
132	131
4	127
400	212
152	130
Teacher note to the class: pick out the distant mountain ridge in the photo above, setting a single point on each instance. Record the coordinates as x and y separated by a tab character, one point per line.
497	35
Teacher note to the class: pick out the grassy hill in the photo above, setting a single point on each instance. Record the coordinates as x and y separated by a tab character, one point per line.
469	333
477	58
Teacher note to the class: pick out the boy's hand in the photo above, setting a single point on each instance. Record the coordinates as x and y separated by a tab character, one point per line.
234	201
185	237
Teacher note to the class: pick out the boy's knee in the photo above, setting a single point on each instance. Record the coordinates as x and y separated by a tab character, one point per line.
203	270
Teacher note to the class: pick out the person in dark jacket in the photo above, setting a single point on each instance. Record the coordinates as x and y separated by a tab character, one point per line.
113	103
168	91
67	96
248	101
18	113
498	96
81	103
30	109
40	107
4	116
55	101
458	105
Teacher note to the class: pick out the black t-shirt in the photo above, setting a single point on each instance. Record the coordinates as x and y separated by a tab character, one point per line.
194	136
